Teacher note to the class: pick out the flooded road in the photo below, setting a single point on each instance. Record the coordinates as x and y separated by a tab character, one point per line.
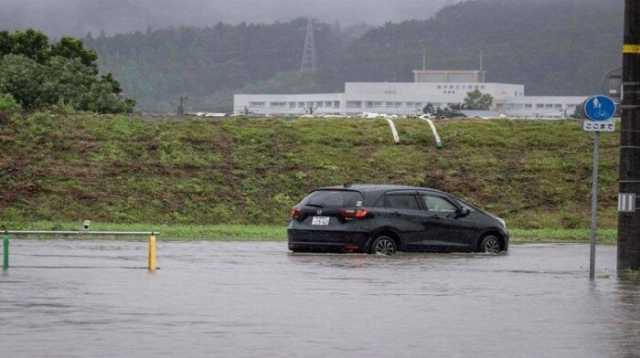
95	299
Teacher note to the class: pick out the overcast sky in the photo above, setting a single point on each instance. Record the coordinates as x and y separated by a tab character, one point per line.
81	16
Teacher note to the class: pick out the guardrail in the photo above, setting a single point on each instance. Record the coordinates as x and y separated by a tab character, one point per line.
152	262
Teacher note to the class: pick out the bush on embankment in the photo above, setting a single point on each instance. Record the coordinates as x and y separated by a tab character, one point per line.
69	167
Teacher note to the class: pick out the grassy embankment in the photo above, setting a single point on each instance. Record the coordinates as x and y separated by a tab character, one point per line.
237	179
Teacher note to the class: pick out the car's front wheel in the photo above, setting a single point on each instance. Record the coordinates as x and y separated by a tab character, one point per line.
491	244
384	246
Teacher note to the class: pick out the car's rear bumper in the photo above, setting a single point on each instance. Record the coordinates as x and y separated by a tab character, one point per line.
327	241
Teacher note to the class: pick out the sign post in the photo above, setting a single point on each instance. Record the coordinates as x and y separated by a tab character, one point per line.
599	111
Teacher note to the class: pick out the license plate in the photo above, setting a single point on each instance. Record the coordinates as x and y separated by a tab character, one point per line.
320	220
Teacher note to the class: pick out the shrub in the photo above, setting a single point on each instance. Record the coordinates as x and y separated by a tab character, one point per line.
8	104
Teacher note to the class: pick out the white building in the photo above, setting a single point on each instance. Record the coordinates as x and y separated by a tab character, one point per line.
438	88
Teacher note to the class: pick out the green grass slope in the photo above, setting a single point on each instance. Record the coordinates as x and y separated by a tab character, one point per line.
115	169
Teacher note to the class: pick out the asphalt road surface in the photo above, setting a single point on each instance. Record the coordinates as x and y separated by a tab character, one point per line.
95	299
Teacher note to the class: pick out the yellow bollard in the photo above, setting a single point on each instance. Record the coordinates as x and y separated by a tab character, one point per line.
153	264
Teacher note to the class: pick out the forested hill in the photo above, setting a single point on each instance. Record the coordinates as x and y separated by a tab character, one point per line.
207	65
560	47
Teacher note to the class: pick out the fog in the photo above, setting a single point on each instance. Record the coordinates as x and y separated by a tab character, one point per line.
81	16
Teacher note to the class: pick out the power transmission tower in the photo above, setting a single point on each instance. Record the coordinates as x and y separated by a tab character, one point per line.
309	59
629	216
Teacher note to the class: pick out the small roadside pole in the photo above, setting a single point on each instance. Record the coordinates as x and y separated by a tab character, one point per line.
5	251
599	111
152	260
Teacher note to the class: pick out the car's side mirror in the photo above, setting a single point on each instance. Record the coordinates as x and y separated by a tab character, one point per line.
463	212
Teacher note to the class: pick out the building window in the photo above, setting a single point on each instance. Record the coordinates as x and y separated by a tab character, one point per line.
528	105
548	105
355	104
292	104
257	104
558	106
336	104
300	104
369	104
278	104
539	105
328	104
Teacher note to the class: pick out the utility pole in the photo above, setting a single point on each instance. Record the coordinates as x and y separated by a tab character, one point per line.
629	219
180	110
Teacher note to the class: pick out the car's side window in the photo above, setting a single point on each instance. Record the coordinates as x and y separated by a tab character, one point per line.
401	201
437	204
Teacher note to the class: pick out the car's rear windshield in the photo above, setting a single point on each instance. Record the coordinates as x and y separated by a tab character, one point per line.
334	199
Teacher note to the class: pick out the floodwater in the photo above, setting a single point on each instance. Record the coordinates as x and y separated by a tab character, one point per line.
95	299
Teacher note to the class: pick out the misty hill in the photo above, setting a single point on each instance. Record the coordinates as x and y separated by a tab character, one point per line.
559	47
77	17
207	65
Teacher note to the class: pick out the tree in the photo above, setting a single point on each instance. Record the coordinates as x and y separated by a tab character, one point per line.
8	103
579	112
31	44
69	47
5	43
428	109
101	99
37	74
22	78
477	101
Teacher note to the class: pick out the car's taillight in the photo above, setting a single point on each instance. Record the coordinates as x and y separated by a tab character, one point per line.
296	214
350	214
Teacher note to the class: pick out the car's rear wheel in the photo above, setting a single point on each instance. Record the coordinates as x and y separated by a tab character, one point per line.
491	244
384	246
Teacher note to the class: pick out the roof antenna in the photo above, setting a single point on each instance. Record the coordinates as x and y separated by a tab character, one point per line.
424	59
482	73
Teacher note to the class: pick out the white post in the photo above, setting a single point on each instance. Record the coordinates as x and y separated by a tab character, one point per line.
594	206
435	132
394	131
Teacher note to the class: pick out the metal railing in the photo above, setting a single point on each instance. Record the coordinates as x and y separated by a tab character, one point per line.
152	241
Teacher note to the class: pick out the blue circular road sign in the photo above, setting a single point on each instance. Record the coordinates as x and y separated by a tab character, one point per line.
599	108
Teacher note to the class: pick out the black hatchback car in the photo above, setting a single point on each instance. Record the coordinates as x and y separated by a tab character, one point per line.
384	219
